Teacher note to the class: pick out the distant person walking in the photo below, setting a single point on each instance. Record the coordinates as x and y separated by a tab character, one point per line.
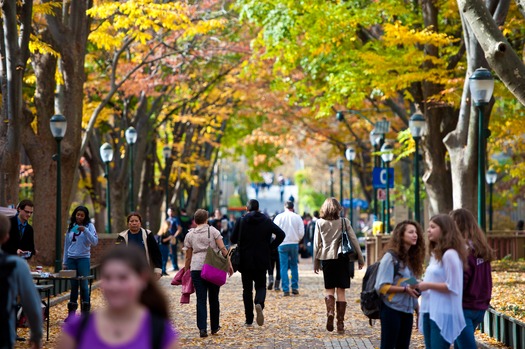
135	314
255	231
164	237
336	268
441	315
477	278
196	244
21	239
175	232
144	239
402	260
292	225
16	281
80	236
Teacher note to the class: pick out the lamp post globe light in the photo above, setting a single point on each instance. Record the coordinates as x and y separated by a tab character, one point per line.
350	156
387	156
58	125
106	153
331	168
492	177
416	124
481	84
340	166
131	138
166	152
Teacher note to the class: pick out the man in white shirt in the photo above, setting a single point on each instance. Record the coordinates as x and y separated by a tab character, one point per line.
292	225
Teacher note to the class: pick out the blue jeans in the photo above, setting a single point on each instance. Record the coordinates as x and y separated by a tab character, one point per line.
432	333
164	252
173	256
466	339
396	328
288	257
82	266
205	289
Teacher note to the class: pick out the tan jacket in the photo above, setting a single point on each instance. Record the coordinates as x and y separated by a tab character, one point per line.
327	240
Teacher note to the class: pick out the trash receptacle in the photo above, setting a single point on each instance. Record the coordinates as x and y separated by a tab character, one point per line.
377	227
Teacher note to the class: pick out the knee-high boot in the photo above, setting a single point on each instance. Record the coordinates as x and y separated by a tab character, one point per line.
330	310
341	309
85	307
71	309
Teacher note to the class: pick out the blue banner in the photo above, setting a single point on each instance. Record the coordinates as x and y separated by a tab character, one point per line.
379	177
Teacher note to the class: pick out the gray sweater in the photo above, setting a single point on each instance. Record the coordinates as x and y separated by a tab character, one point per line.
21	284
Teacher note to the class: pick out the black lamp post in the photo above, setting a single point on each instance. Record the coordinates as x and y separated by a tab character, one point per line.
106	153
416	124
492	177
350	156
481	85
387	156
331	168
58	125
166	151
375	140
131	138
341	167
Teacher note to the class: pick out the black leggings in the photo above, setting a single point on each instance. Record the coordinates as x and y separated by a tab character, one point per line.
274	264
396	328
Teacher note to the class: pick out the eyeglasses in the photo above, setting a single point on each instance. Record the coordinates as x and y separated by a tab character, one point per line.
28	212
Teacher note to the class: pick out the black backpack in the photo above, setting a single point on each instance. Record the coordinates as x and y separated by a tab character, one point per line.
6	310
370	299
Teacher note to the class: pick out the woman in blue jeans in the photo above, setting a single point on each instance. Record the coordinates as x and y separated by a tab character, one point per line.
164	238
196	244
80	236
477	278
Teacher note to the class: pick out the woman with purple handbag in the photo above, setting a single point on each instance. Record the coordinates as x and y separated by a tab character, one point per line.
196	245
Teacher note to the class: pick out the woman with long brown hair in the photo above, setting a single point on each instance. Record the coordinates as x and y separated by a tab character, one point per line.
401	265
477	279
336	267
441	315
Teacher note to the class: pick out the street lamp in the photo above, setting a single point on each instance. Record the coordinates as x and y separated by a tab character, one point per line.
331	168
131	138
350	156
481	84
340	166
106	153
58	125
387	155
166	151
492	177
416	124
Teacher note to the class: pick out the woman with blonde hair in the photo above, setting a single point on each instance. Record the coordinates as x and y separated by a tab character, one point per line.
401	265
477	279
336	267
441	315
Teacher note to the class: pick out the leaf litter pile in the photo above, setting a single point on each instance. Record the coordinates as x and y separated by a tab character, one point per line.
296	321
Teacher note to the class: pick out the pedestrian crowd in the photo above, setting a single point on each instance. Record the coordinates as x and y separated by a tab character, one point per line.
448	298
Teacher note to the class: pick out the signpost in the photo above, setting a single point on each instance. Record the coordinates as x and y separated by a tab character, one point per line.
379	178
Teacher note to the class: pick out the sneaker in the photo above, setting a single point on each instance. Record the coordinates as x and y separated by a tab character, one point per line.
295	292
203	333
248	325
260	315
165	274
215	331
286	294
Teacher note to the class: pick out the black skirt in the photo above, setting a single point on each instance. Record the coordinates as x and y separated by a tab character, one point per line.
337	272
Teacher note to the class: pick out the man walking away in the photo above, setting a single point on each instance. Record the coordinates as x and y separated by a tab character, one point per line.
16	281
255	231
292	225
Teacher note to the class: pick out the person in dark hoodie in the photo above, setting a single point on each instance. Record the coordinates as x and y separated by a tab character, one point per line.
254	233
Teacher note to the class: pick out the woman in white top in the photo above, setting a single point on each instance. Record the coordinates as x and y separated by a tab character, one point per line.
441	314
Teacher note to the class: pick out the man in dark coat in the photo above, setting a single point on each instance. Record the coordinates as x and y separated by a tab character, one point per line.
254	233
21	236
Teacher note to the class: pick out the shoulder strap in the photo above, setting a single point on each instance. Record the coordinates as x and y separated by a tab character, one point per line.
240	231
396	262
157	331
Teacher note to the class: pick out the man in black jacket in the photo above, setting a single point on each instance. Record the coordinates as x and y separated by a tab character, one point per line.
21	236
254	233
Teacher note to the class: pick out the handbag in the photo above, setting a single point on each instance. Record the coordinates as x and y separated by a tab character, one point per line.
346	249
215	268
235	252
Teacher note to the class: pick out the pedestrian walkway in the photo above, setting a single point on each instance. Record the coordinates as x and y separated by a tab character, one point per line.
269	199
290	322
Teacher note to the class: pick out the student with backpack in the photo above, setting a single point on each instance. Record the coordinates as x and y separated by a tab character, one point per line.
136	311
401	265
441	315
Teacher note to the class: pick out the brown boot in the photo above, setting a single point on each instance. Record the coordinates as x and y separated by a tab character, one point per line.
341	309
330	310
